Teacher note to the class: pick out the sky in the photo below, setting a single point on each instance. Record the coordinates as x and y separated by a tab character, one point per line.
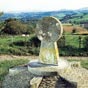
40	5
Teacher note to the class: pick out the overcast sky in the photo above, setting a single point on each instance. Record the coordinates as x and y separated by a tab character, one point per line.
41	5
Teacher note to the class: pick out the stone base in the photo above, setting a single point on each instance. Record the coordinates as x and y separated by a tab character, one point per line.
16	70
40	69
18	80
38	74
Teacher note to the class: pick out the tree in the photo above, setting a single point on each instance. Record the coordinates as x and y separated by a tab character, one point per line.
1	24
1	13
14	27
80	41
74	30
35	42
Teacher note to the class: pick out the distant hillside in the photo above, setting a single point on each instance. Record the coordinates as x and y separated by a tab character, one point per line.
76	18
69	28
84	9
66	16
25	16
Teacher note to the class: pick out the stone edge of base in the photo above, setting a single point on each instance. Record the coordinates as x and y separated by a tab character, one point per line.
35	82
16	70
43	71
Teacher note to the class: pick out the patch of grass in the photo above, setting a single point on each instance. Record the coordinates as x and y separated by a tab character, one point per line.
84	63
73	40
5	65
16	45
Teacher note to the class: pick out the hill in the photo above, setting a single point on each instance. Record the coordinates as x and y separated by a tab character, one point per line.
72	16
70	28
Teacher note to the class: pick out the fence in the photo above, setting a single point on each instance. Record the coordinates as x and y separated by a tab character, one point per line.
73	45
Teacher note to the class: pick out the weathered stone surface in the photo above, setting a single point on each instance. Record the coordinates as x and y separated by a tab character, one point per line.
16	70
48	53
49	30
75	74
43	71
37	64
63	64
20	80
35	82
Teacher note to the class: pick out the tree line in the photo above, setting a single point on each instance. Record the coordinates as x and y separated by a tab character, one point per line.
15	27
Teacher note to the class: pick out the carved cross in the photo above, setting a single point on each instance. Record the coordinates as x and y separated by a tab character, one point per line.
49	30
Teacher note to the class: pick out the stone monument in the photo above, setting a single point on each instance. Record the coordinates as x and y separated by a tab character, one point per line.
48	30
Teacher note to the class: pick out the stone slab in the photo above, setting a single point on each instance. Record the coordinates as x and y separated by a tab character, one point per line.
38	64
40	69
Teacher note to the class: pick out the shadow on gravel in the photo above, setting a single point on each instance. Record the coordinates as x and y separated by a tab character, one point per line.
62	83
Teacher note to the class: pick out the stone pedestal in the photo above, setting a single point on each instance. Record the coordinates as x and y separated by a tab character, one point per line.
39	69
49	30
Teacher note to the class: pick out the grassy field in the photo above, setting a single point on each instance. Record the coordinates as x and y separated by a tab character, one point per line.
20	45
73	40
6	64
79	18
7	39
14	44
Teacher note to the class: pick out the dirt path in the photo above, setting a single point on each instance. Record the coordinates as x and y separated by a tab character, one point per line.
12	57
75	58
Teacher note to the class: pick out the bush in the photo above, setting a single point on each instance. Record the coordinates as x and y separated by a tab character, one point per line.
4	50
61	42
15	51
74	30
34	51
85	42
35	42
18	43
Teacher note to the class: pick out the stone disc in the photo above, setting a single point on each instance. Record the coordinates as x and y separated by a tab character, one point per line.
49	29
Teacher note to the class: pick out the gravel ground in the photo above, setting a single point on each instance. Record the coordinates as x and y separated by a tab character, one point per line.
76	74
56	82
48	82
